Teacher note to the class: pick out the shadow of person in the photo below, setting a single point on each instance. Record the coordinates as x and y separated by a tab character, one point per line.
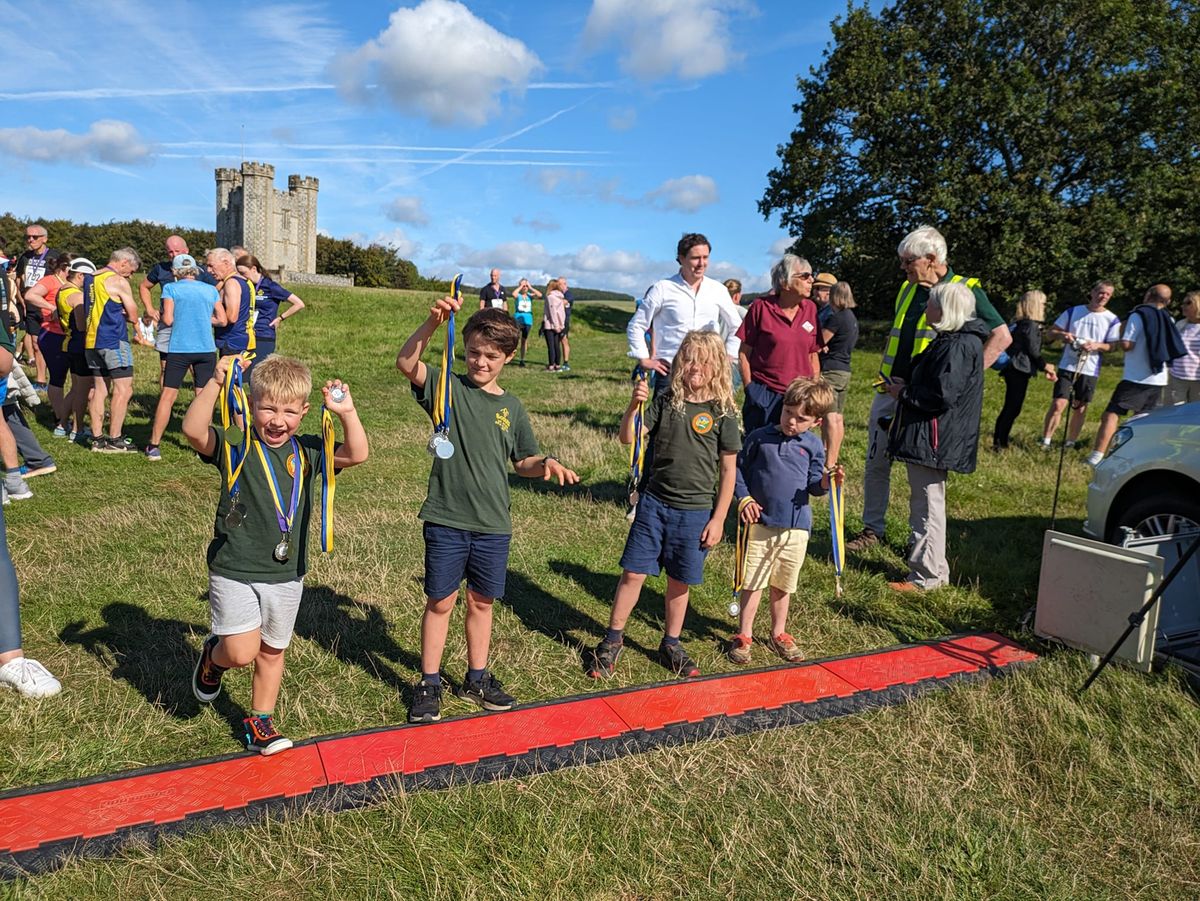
356	633
155	656
650	607
600	317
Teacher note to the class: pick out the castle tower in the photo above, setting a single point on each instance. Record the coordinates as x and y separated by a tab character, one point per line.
280	228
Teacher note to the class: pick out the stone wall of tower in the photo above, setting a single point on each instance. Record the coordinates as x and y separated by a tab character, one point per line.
278	227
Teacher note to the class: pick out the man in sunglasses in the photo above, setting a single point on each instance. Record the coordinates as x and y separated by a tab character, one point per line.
923	260
31	268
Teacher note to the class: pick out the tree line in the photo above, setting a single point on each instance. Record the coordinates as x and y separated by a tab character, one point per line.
1053	142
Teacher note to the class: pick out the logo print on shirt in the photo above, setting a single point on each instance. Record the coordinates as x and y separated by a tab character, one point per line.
291	465
502	420
702	423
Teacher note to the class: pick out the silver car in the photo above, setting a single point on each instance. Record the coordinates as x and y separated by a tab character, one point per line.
1150	480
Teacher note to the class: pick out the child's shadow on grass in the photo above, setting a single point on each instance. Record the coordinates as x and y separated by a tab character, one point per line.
649	609
155	656
355	633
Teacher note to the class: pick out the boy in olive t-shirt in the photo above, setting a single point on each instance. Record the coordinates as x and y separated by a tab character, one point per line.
467	527
259	551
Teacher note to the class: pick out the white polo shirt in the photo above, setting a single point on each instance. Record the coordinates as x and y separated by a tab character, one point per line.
672	309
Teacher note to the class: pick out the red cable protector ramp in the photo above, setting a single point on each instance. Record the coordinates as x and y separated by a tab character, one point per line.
42	826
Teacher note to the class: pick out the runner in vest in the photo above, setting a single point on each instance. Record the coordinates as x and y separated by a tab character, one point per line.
239	297
923	259
70	316
109	308
524	295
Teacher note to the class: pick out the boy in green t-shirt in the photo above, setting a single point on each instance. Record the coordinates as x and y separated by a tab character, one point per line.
467	526
259	552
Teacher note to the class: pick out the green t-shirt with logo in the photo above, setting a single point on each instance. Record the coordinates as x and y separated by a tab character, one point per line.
685	449
245	552
469	491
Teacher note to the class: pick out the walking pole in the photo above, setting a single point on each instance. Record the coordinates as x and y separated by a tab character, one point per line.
1080	364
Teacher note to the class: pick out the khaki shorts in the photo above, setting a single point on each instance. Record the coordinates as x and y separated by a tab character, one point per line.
774	557
839	379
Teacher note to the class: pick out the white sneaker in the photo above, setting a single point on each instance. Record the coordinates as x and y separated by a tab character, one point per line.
1094	458
17	488
30	678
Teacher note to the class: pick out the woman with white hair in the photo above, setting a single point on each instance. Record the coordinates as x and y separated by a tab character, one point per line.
935	429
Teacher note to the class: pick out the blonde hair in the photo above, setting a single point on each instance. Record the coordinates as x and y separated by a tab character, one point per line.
815	397
733	286
1032	305
704	348
841	297
281	379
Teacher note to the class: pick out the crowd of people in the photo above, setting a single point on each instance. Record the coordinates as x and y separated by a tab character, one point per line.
698	453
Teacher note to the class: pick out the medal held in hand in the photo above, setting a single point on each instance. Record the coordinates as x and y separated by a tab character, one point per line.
285	518
440	445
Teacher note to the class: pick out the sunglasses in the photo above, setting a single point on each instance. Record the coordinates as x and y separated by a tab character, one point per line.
803	276
33	237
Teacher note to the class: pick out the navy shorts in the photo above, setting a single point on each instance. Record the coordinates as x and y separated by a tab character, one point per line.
663	537
454	554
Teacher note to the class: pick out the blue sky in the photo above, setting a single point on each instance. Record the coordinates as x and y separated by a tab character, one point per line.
576	139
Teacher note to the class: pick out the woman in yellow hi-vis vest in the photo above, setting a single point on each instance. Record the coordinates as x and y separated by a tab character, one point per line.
923	259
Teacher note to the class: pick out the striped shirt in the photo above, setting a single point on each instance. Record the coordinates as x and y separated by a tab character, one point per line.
1188	367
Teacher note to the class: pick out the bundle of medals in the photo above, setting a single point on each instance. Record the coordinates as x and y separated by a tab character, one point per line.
439	443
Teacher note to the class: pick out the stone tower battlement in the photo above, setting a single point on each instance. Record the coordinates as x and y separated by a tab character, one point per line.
278	227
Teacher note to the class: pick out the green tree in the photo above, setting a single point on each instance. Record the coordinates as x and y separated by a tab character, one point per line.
1052	143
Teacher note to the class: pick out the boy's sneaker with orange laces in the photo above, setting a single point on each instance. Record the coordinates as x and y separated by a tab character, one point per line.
263	737
785	646
739	649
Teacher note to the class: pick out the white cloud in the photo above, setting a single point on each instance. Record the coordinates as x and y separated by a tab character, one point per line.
537	223
686	194
409	210
780	246
106	141
622	118
440	60
396	239
659	38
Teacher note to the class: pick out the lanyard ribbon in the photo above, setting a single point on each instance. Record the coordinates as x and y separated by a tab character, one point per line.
740	547
328	480
234	409
637	450
285	519
837	512
445	400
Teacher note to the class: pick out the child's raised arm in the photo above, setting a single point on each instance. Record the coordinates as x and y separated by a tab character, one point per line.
641	391
408	360
354	448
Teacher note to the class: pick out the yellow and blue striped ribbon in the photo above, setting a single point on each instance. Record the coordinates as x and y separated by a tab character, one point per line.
286	517
445	400
837	512
637	450
328	480
741	544
234	406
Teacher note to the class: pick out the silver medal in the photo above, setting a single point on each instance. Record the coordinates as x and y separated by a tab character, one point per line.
281	550
237	513
337	394
440	446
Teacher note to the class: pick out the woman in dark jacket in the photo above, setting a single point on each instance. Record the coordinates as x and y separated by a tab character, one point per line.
1024	362
936	426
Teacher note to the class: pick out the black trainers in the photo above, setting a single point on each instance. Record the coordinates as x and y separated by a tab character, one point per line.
487	692
100	444
206	677
602	659
122	445
263	737
675	658
427	703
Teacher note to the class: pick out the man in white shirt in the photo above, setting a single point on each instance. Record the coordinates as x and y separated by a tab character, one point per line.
1142	381
687	301
1087	331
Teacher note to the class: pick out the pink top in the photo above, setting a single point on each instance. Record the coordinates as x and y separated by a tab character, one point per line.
779	349
1188	367
50	317
554	316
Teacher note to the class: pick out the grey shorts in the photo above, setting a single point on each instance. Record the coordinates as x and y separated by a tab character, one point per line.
111	363
239	607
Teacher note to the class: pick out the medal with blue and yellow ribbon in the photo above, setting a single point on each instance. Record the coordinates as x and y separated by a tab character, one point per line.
234	411
837	513
439	443
287	517
637	450
328	476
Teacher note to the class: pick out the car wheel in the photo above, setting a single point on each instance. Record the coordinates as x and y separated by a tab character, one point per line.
1159	514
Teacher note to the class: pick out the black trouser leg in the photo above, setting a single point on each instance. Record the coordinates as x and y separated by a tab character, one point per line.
1015	386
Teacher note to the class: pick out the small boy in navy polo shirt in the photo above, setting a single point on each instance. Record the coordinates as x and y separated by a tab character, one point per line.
779	468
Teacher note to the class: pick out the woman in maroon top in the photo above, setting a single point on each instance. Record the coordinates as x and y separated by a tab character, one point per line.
781	341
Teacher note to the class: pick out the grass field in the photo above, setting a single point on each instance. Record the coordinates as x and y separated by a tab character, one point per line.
1017	789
